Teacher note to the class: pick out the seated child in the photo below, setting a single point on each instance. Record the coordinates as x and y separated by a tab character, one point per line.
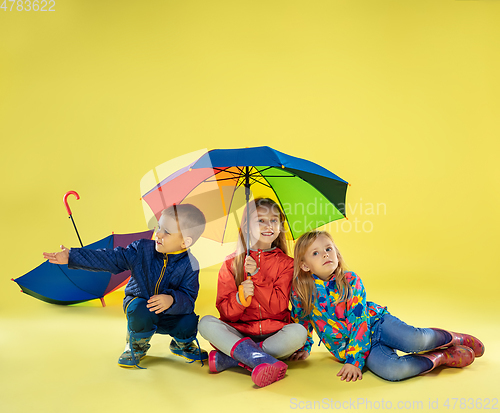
255	334
160	295
357	332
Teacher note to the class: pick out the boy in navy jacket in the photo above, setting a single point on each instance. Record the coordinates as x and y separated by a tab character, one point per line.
163	287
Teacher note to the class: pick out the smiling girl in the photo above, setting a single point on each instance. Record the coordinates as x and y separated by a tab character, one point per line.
255	334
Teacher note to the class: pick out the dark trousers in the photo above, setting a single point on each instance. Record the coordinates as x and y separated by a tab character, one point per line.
144	323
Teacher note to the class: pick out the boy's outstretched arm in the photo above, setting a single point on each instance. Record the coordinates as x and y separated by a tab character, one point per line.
60	257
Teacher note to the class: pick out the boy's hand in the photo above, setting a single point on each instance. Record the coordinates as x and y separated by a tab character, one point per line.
159	303
299	355
350	372
250	265
60	257
247	288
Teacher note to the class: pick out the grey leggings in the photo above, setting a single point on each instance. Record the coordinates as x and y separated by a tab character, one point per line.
280	345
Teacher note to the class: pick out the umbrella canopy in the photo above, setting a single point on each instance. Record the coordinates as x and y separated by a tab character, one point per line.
57	284
309	194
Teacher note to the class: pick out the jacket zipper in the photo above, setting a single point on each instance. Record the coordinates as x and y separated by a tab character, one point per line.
165	260
260	313
260	321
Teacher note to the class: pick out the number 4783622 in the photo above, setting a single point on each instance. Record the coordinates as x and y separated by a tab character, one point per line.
28	5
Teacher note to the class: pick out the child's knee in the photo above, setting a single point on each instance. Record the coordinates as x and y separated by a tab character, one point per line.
391	371
421	339
190	321
137	305
300	334
296	334
205	323
393	368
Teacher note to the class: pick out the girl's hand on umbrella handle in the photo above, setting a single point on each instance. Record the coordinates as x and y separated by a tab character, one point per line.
245	292
250	265
60	257
159	303
247	288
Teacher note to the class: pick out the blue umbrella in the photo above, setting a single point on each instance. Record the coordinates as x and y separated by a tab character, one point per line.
57	284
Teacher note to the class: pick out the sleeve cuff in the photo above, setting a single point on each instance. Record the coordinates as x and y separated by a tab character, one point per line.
359	363
307	347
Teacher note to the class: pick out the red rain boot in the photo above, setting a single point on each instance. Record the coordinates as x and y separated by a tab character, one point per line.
464	340
456	356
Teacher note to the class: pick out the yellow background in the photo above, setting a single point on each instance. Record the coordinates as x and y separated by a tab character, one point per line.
400	98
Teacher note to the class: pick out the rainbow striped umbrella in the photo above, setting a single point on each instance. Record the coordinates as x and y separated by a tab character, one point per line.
221	182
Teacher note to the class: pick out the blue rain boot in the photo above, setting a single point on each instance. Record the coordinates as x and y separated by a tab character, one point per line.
265	368
135	349
188	349
218	361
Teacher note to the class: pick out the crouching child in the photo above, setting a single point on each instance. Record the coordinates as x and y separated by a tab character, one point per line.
163	287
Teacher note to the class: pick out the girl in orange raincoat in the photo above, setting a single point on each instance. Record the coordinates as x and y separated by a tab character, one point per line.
255	329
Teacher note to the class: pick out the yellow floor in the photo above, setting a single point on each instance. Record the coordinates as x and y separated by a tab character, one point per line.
63	359
399	98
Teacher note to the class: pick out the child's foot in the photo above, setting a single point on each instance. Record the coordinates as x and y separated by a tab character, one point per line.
218	361
189	351
126	359
265	374
455	356
140	348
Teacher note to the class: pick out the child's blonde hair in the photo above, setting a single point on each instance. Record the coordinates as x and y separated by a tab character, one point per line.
303	282
241	249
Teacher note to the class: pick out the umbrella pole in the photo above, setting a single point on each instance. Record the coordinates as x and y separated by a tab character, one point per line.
246	302
78	235
102	301
247	198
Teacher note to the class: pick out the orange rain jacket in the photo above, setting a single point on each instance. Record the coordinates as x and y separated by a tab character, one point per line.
268	311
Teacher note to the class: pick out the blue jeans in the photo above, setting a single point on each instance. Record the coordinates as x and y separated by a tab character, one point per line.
144	323
391	334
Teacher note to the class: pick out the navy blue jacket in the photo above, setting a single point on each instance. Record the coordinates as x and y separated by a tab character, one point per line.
180	279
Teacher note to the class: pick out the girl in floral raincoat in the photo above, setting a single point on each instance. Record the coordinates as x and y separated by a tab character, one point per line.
332	300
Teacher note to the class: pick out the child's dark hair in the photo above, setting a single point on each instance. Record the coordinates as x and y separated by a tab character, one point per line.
190	219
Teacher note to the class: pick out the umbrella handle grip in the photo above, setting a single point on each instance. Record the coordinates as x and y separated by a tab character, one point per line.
65	200
245	302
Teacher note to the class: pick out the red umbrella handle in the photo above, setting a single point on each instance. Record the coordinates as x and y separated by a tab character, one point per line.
65	200
244	302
